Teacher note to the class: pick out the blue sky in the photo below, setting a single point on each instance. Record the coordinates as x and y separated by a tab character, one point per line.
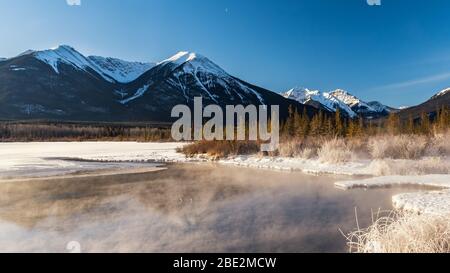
398	53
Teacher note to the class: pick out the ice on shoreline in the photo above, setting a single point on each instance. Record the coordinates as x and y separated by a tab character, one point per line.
309	166
432	180
42	159
431	202
435	202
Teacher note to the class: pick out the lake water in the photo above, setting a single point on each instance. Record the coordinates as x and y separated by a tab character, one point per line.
186	208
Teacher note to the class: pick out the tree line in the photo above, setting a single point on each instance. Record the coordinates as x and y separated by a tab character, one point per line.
300	125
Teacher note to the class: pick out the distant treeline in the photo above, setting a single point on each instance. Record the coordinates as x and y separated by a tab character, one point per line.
299	125
296	126
37	131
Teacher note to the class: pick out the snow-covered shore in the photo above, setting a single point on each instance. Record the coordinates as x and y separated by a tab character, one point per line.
43	159
423	202
310	166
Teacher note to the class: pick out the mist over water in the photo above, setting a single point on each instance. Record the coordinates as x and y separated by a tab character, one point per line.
186	208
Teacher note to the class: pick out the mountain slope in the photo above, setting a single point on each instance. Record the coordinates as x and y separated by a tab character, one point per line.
63	84
120	70
429	107
186	75
40	85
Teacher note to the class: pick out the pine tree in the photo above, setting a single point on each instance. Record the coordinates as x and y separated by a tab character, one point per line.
410	126
393	124
339	126
425	123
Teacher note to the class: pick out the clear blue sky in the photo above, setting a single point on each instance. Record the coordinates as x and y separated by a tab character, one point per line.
398	53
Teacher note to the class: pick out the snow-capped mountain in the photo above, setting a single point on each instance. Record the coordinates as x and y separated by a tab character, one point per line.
368	110
120	70
63	84
430	107
110	69
319	99
188	74
339	99
180	78
441	93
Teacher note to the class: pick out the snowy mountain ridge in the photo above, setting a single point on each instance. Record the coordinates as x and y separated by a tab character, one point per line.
331	103
192	71
338	99
120	70
110	69
441	93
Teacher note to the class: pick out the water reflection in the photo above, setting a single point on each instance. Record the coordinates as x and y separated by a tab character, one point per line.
187	208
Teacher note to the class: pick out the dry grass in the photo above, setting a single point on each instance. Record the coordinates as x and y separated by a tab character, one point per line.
426	150
401	232
398	147
439	145
429	165
221	149
335	151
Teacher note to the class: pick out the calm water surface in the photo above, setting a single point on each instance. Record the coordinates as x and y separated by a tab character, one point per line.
186	208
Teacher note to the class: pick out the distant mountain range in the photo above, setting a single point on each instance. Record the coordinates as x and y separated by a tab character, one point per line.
63	84
339	99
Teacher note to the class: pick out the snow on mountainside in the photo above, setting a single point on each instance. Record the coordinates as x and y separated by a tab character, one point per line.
351	100
196	63
110	69
67	55
331	103
341	99
441	93
189	72
121	71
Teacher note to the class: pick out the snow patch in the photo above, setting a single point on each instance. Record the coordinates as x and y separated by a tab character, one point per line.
139	93
441	93
120	70
46	159
310	166
435	202
431	180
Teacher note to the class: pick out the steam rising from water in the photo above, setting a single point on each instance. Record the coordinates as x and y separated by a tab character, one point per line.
188	208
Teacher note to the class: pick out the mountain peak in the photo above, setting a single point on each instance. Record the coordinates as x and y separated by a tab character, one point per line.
345	97
181	58
441	93
192	62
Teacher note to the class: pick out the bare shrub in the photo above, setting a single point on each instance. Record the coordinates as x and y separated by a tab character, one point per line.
401	232
308	153
398	147
335	151
429	165
221	149
440	145
290	148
